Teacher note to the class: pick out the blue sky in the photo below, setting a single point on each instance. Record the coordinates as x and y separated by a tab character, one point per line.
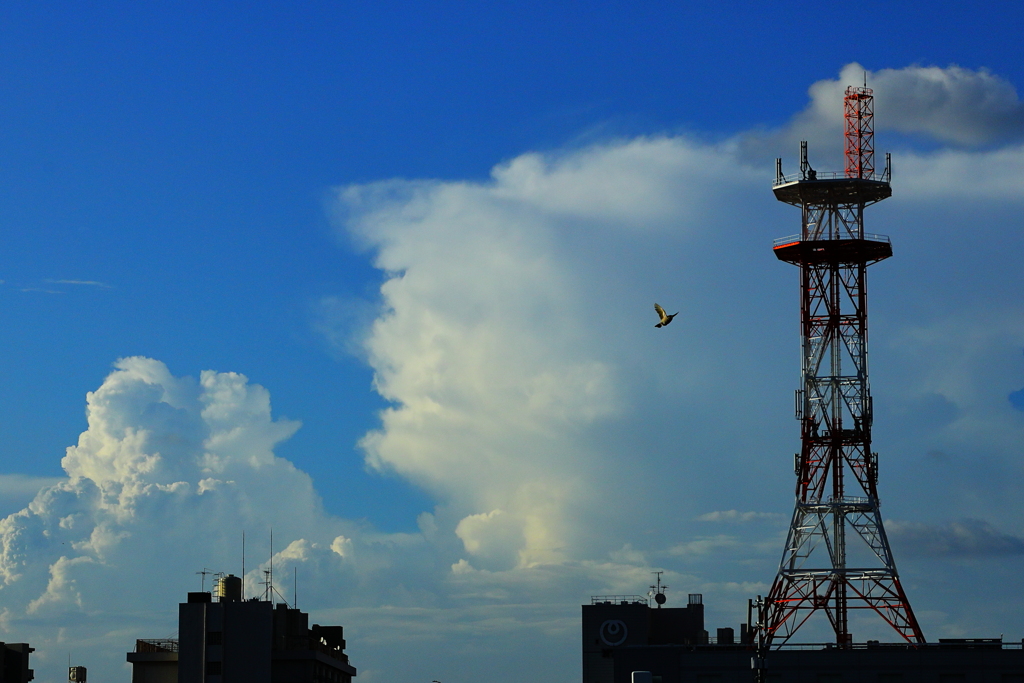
182	155
460	214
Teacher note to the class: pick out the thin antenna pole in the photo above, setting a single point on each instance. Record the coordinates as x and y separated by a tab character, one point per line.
271	586
295	587
202	583
243	565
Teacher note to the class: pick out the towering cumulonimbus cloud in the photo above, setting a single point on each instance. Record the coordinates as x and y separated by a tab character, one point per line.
511	342
508	325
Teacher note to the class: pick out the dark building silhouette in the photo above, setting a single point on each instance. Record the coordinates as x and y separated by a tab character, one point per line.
154	661
14	663
231	641
616	623
623	634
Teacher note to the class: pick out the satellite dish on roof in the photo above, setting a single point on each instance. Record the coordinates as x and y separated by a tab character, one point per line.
658	590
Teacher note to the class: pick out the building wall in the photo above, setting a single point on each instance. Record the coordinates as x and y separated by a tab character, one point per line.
622	637
224	641
610	627
154	667
192	640
252	642
890	664
14	663
307	655
247	641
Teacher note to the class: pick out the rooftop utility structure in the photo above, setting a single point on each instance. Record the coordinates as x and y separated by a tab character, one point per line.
836	470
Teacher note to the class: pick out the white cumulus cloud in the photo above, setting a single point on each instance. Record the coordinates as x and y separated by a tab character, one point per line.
167	476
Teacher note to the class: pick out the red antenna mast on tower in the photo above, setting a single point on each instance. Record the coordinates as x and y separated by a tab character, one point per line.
859	111
833	405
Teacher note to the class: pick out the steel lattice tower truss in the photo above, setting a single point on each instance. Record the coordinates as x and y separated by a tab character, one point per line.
834	403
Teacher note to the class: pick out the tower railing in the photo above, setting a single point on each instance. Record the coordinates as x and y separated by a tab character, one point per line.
790	239
828	175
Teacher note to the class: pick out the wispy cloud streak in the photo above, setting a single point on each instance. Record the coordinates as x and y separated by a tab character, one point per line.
90	283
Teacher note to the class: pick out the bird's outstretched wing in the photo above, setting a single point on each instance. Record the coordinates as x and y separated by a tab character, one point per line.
664	318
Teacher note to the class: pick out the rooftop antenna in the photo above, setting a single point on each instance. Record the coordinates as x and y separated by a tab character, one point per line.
243	565
268	575
806	172
658	591
295	587
202	582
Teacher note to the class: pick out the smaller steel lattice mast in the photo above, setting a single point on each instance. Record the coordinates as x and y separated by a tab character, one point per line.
834	402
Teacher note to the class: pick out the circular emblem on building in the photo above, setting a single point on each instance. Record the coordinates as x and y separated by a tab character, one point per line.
613	632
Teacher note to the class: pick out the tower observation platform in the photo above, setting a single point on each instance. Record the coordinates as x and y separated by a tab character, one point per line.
833	230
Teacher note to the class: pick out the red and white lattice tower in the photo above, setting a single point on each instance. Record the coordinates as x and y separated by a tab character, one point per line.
836	471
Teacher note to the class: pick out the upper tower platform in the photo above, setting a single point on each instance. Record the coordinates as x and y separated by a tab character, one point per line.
834	234
831	188
833	203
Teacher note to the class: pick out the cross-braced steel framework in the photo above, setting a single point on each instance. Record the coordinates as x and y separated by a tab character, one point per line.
859	112
834	403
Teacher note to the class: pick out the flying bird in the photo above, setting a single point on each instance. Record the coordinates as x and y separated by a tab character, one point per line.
665	317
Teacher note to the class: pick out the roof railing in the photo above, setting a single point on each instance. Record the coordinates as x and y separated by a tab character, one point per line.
156	645
618	599
827	175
